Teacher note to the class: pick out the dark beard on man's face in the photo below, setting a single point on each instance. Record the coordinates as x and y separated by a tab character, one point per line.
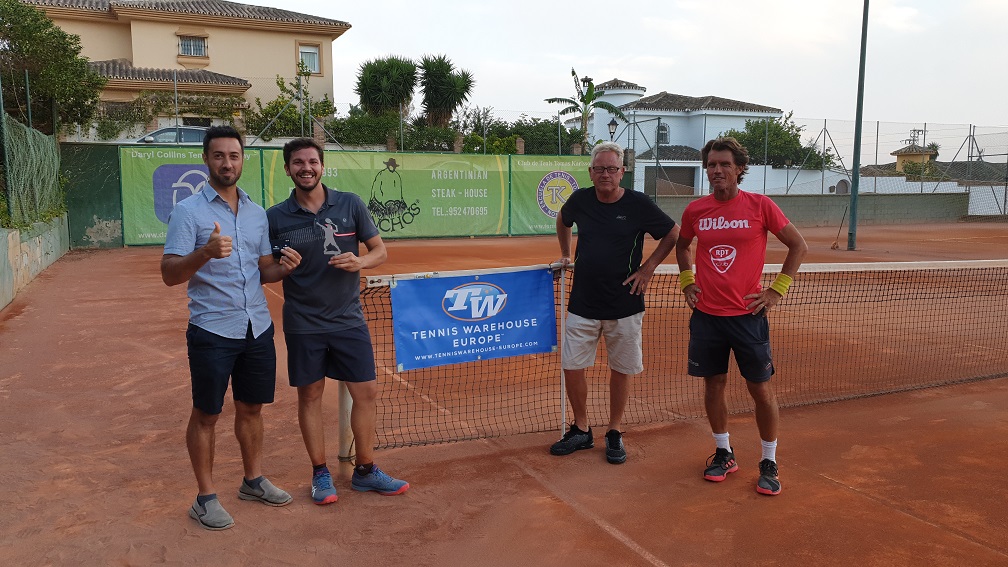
218	180
298	185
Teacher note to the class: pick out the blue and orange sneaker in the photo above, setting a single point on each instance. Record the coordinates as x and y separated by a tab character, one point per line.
379	482
322	489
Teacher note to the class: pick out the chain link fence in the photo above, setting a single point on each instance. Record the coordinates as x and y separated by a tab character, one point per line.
895	157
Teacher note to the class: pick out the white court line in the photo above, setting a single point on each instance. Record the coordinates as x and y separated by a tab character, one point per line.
441	409
584	512
899	508
985	347
657	408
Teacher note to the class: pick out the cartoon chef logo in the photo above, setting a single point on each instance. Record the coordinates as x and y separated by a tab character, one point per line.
722	256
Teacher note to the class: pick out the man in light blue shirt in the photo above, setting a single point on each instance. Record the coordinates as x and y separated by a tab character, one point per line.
218	242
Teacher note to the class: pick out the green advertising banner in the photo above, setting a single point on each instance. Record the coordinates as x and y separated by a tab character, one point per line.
413	195
540	185
155	178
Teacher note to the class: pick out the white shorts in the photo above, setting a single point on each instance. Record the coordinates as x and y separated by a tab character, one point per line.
622	341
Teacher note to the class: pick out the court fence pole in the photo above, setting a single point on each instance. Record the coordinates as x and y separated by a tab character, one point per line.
858	123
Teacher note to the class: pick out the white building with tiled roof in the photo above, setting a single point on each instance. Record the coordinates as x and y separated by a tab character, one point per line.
667	131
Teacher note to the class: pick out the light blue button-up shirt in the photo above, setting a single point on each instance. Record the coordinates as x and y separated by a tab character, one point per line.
226	293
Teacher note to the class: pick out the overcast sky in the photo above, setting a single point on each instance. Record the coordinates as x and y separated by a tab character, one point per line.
932	61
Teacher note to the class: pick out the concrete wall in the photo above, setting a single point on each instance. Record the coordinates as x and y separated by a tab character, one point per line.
23	255
832	210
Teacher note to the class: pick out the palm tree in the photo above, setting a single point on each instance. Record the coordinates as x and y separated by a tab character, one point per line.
386	85
444	88
587	99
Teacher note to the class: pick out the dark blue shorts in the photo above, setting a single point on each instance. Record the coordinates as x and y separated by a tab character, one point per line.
712	338
250	363
344	355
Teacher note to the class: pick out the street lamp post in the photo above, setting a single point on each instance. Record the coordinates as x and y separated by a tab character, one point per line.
612	128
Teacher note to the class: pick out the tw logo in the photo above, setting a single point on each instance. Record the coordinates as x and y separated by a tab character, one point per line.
474	301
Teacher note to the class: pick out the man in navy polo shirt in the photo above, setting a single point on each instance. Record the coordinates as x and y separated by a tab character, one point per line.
324	326
217	242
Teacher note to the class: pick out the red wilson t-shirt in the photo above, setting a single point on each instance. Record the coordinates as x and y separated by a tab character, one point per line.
731	248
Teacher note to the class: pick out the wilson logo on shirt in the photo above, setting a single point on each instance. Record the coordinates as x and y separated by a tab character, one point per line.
722	256
720	223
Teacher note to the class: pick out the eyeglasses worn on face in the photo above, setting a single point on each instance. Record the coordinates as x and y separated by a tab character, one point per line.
611	170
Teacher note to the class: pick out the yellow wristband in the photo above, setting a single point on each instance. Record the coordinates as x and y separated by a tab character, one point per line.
686	278
781	284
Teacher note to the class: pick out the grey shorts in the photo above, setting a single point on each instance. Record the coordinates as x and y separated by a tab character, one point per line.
622	341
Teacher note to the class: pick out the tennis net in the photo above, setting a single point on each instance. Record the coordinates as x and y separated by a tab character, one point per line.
843	331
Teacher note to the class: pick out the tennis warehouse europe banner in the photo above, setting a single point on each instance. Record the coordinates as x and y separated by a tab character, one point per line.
447	320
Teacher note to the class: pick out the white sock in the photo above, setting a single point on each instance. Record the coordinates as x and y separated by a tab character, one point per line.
769	449
722	441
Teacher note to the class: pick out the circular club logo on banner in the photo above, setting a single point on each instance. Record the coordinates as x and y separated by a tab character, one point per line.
553	191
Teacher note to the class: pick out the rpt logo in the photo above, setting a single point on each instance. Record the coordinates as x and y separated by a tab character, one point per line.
722	256
474	301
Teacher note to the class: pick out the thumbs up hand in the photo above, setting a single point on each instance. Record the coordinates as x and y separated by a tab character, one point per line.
218	246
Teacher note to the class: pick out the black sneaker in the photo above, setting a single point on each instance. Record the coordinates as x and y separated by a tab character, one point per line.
573	440
768	483
719	465
615	453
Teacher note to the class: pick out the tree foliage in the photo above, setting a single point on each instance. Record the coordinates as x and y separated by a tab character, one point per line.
362	129
587	99
291	113
476	120
385	85
113	118
781	140
481	132
57	73
927	171
444	88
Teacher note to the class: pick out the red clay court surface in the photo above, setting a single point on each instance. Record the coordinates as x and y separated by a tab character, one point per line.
95	389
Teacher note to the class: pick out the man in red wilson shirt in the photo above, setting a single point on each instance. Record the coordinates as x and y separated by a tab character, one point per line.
729	307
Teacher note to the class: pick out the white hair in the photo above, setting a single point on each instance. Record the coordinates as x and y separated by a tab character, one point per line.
607	147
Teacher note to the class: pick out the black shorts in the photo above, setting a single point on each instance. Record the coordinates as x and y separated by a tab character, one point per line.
250	363
344	355
713	337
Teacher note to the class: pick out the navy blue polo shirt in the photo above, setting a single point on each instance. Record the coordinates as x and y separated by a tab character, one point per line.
319	298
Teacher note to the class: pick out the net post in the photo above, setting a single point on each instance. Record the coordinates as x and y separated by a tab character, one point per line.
345	404
563	328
